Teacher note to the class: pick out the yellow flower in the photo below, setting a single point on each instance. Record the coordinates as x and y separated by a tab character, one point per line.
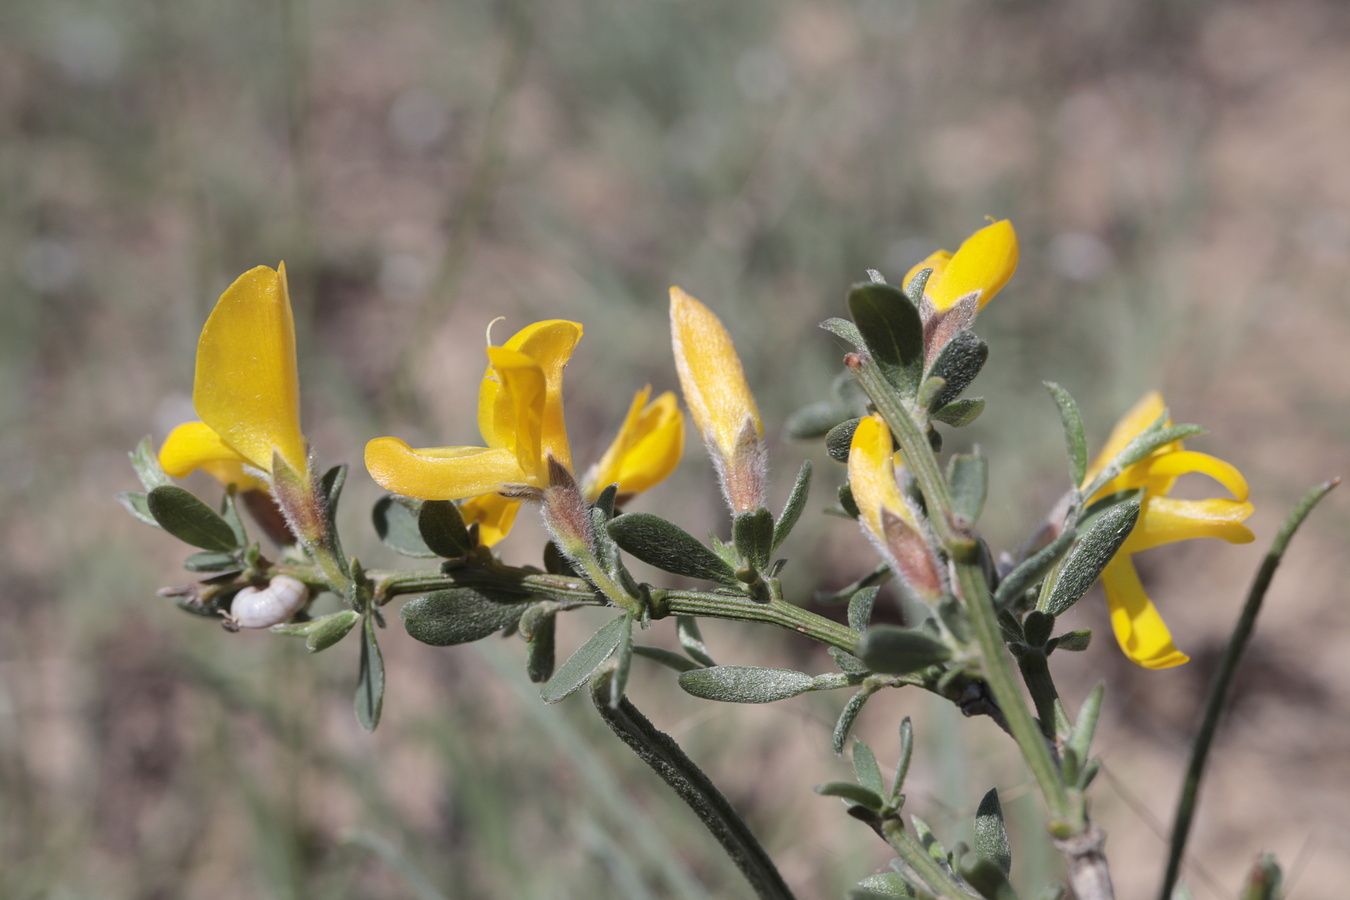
1139	629
719	399
646	449
885	514
519	414
980	267
247	390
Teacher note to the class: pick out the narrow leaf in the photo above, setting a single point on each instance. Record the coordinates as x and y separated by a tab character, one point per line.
691	639
988	879
579	667
190	520
961	412
866	769
968	474
331	486
135	503
1074	641
958	364
1080	740
847	330
540	642
623	664
886	886
796	502
665	657
1032	569
145	461
853	793
906	754
1084	563
839	441
210	561
860	608
668	547
370	681
745	684
1074	438
847	717
752	533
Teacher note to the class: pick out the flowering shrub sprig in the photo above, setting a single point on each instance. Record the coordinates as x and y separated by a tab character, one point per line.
981	628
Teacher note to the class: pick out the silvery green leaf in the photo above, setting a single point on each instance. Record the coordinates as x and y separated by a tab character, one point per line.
665	657
792	509
1074	641
745	684
988	879
957	365
1074	438
968	475
847	330
323	632
991	835
839	441
899	651
370	679
960	413
441	528
847	717
210	561
145	461
686	630
331	486
860	608
135	503
395	521
752	534
853	793
669	548
1085	562
462	614
190	520
866	769
579	667
886	886
890	326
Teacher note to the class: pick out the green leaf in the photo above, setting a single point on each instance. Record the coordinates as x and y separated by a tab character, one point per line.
958	364
889	324
847	717
860	608
752	534
323	632
605	502
1036	628
623	664
1074	641
847	330
1084	563
988	879
968	474
691	639
1153	437
1080	739
229	511
906	754
814	420
370	680
395	521
866	769
853	793
914	290
209	561
331	487
190	520
930	842
899	651
991	835
839	441
1074	438
669	548
461	615
145	461
539	627
442	529
961	412
796	502
135	503
665	657
745	684
579	667
886	886
1032	569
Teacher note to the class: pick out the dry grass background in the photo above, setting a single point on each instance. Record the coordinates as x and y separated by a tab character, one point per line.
1177	172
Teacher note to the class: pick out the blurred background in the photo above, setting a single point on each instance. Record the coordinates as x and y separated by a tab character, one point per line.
1177	174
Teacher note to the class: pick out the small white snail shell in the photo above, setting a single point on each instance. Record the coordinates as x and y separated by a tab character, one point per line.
255	607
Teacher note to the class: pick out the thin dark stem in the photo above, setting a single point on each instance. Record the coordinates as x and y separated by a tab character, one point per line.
665	757
1223	682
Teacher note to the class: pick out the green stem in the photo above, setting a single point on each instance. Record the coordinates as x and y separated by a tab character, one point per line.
918	859
566	590
1223	682
1035	670
774	612
659	751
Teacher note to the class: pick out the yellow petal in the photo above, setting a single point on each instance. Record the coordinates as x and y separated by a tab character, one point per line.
646	449
194	445
1186	462
711	376
440	473
936	261
246	387
1131	425
982	265
518	408
871	475
1140	630
494	514
549	345
1164	520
